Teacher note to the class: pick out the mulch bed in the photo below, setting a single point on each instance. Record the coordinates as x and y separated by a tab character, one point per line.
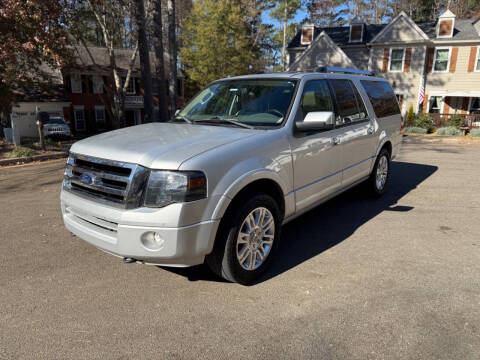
39	155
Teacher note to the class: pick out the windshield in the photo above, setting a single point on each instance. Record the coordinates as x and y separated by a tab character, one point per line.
56	121
257	102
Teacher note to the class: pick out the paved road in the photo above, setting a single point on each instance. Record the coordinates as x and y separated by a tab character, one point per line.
395	278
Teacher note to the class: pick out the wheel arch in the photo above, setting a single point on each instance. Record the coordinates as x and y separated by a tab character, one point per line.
259	182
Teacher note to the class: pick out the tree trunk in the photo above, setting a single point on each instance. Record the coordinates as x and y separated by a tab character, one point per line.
284	47
145	70
172	49
160	67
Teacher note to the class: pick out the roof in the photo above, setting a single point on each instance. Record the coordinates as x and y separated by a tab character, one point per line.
464	30
101	60
339	34
51	90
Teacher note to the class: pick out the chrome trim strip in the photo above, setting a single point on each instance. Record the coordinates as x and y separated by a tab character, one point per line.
104	175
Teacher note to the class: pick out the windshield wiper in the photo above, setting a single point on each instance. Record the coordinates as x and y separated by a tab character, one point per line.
227	120
184	118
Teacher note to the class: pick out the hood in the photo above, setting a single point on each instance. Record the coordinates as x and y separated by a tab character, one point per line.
158	145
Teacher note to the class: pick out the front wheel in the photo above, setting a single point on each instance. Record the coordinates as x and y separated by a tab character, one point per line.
379	176
247	239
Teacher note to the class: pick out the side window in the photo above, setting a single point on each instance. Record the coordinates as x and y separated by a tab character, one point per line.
316	97
362	111
347	104
382	97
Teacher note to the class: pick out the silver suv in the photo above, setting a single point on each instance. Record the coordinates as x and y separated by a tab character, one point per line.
245	156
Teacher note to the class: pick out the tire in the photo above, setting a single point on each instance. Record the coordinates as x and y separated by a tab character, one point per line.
228	259
378	180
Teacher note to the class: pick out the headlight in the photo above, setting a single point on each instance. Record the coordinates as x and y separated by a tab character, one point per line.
167	187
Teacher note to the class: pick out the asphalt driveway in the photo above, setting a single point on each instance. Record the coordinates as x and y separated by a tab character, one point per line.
357	278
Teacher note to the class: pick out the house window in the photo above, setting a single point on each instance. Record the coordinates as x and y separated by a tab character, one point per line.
445	28
76	84
435	104
397	60
97	84
475	106
100	115
131	85
441	60
307	35
356	33
79	116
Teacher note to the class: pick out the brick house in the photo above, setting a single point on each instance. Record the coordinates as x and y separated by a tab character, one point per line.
87	85
439	59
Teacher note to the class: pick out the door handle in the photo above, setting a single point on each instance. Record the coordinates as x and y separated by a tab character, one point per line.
370	130
336	140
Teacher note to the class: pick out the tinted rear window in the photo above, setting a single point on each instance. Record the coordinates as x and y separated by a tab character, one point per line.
382	98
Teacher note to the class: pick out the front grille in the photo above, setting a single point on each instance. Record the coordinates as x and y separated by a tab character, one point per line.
117	183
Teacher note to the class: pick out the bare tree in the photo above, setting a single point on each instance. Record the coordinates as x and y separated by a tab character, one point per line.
145	69
107	13
172	56
160	63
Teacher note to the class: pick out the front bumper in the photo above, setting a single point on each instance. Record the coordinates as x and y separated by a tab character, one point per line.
101	226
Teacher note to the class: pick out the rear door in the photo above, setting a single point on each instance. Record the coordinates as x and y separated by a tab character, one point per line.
357	131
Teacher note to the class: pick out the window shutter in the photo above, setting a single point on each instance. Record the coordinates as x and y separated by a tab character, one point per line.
473	55
430	55
453	59
408	59
425	104
386	54
68	85
84	84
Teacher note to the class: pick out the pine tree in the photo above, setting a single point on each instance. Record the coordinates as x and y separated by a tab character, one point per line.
217	42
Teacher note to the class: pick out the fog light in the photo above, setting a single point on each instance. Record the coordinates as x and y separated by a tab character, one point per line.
152	240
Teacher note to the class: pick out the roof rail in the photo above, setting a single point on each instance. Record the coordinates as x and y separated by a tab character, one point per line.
333	69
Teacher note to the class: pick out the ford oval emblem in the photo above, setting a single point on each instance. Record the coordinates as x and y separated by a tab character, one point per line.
86	179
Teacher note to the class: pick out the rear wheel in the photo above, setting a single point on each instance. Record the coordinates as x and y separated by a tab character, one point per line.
379	176
247	239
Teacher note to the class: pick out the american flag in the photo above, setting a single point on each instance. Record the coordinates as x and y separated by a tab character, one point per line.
421	93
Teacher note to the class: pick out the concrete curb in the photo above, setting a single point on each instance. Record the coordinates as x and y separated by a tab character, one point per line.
20	161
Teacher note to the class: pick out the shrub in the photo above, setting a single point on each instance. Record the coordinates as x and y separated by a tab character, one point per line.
475	132
449	130
48	142
20	152
424	121
456	121
410	119
414	130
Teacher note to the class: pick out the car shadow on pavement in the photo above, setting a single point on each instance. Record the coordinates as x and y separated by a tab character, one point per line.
332	222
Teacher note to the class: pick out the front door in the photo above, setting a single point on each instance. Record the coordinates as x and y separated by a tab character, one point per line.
316	158
357	136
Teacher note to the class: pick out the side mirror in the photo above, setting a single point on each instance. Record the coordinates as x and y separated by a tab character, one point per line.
317	120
